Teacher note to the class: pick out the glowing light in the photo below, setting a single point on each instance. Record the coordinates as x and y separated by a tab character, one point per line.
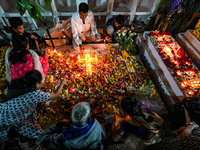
87	61
179	73
190	93
190	72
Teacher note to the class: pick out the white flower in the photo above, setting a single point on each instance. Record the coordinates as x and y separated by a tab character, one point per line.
123	33
132	34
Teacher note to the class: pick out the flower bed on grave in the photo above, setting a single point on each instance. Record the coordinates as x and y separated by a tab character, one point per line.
2	72
179	64
107	78
196	31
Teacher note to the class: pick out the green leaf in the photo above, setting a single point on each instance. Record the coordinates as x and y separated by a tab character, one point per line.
47	3
38	8
20	9
33	13
25	4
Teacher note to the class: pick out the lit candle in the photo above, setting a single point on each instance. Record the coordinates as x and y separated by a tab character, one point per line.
189	93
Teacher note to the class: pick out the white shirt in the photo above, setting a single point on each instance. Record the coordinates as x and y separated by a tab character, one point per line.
81	30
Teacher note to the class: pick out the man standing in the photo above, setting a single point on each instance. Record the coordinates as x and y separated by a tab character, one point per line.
83	27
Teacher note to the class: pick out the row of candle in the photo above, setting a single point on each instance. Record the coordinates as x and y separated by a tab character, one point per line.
179	63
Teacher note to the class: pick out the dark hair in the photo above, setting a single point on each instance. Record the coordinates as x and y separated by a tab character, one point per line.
119	19
19	51
83	7
15	22
133	108
17	84
23	85
32	77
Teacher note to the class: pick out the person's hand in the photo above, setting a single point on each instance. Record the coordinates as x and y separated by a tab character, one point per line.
193	125
62	124
44	52
97	110
108	39
97	37
81	48
33	37
123	28
63	82
131	28
115	117
119	97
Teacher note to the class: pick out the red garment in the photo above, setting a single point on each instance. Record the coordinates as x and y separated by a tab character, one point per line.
19	69
45	64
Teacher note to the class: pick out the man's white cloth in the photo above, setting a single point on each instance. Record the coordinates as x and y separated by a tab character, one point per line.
80	30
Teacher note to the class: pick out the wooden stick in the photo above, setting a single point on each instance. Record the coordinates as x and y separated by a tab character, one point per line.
198	94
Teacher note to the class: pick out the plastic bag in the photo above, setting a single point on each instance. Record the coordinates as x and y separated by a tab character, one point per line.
62	29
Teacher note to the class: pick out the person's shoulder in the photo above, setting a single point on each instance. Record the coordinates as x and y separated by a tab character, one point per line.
96	123
90	13
74	15
110	21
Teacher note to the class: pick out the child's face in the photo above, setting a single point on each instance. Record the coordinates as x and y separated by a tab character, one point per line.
20	29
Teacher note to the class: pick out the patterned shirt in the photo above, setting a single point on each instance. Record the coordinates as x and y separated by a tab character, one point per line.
192	141
82	30
21	112
19	69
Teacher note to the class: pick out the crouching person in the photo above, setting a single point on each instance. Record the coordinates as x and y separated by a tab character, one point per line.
86	134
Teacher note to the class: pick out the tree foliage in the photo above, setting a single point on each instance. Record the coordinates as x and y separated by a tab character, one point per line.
33	8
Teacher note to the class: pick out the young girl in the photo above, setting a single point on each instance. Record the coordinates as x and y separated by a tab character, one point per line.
19	60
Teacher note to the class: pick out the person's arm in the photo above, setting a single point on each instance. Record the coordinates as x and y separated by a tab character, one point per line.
33	36
93	25
117	132
26	34
99	116
188	130
75	34
50	139
59	89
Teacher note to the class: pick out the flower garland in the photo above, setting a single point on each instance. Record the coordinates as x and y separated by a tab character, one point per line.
110	77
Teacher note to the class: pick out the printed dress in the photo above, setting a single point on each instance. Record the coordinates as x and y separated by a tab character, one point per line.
21	113
19	69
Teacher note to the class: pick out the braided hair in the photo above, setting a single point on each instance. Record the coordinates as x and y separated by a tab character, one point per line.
133	108
19	51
